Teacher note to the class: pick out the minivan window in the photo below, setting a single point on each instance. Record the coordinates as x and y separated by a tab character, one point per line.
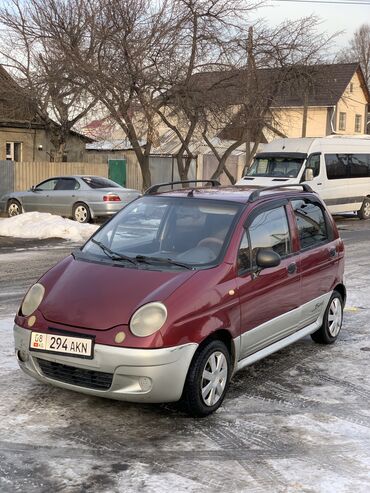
340	166
277	166
313	162
311	223
270	229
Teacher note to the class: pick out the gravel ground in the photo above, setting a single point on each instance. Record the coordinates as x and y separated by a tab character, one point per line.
298	421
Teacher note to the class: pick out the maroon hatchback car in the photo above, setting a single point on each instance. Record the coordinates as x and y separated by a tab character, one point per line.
183	288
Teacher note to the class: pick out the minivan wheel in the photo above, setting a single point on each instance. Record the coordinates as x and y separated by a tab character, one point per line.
81	213
208	379
364	212
14	208
333	318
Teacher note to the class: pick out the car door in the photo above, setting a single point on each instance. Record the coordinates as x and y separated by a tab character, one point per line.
269	299
64	196
319	257
39	197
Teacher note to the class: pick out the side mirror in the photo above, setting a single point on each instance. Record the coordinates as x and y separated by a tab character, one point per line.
308	174
266	258
33	188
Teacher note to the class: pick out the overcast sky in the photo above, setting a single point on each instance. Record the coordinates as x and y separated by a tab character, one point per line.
335	17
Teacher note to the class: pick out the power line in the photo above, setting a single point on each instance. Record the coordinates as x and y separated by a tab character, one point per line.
330	2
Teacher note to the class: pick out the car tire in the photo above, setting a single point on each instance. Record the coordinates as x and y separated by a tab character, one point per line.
332	323
207	380
364	212
81	213
14	208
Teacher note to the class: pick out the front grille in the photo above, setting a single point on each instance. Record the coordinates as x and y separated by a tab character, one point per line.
76	376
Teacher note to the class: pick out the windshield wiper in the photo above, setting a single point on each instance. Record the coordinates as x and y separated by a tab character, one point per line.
113	255
161	260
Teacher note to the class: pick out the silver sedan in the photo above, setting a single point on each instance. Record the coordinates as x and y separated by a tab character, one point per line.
81	197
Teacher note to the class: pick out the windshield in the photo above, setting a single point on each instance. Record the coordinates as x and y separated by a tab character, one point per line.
99	182
165	232
276	166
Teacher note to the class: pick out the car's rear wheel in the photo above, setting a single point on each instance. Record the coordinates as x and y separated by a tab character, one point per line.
364	212
207	380
332	323
81	213
14	208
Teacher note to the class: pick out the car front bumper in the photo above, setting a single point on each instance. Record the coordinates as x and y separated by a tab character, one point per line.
138	375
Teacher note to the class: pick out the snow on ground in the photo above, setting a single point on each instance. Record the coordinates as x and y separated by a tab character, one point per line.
44	225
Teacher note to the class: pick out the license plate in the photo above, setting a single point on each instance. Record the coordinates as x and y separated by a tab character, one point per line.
81	347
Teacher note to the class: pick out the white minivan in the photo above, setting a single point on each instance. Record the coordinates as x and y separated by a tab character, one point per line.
336	167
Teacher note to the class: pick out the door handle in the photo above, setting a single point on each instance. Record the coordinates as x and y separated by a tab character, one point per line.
292	268
332	252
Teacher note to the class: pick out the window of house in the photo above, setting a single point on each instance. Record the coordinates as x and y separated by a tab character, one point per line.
351	87
342	120
311	223
13	151
358	123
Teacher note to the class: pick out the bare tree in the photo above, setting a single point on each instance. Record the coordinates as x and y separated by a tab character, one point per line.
359	50
201	41
42	79
281	62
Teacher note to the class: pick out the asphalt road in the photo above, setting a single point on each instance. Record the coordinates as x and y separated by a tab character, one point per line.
298	421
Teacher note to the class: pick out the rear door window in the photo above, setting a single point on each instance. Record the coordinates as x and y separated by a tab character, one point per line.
67	184
312	228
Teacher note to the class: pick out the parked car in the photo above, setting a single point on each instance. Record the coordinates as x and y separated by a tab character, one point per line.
180	290
81	197
337	167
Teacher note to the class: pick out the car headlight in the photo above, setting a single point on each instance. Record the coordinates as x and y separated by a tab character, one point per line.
148	319
32	299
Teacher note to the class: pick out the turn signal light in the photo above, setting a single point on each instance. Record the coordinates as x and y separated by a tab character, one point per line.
111	198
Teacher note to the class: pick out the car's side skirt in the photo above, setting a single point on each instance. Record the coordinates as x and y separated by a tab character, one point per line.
313	313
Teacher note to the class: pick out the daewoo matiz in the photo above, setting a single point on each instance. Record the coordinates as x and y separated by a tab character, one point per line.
183	288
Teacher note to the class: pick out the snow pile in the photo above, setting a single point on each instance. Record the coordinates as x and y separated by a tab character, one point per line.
44	225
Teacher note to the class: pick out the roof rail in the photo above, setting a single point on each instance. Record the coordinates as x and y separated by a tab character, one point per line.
154	188
256	193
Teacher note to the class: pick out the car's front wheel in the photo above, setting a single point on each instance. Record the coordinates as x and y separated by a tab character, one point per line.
81	213
364	212
207	380
14	208
332	323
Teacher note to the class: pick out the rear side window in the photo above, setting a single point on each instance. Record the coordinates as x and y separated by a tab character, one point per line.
67	184
311	223
99	182
269	229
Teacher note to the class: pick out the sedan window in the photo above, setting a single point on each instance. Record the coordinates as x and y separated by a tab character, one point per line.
47	184
67	184
99	182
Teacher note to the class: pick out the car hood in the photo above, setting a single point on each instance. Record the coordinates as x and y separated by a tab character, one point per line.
100	296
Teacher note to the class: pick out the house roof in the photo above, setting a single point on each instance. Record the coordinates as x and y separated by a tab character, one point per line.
326	84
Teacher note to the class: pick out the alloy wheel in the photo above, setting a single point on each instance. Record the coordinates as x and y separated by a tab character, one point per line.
14	210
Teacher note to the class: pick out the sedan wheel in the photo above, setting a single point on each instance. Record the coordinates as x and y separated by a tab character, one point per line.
208	379
332	323
81	213
14	208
